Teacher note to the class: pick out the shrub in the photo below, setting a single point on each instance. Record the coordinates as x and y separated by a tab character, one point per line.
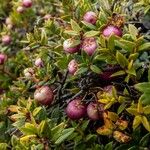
74	74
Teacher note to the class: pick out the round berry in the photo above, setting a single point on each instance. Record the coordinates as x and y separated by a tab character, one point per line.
39	62
89	45
69	46
44	95
76	109
90	17
72	66
6	39
28	72
3	58
20	9
112	30
26	3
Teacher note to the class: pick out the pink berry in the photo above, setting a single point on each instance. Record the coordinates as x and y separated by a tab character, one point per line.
26	3
47	17
39	62
67	45
76	109
20	9
3	58
8	21
72	67
108	89
6	39
28	72
109	30
89	45
94	111
90	17
44	95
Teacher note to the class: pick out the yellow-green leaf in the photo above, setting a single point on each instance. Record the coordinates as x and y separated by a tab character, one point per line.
146	109
122	60
91	33
145	123
75	26
132	111
136	121
140	108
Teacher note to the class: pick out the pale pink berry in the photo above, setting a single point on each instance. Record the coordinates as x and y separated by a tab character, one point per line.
95	110
20	9
8	21
89	45
90	17
6	39
112	30
72	67
26	3
47	17
28	72
69	47
44	95
39	62
3	58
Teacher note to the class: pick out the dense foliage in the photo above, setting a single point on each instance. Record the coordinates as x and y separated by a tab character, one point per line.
75	74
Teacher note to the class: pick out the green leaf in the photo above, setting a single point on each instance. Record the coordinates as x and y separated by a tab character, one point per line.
118	73
125	45
145	46
91	33
64	135
75	26
85	124
95	69
122	60
146	109
145	140
121	108
43	129
145	98
111	42
143	87
14	140
3	146
82	70
56	131
89	25
109	146
71	32
29	129
133	31
132	111
145	123
131	71
36	111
